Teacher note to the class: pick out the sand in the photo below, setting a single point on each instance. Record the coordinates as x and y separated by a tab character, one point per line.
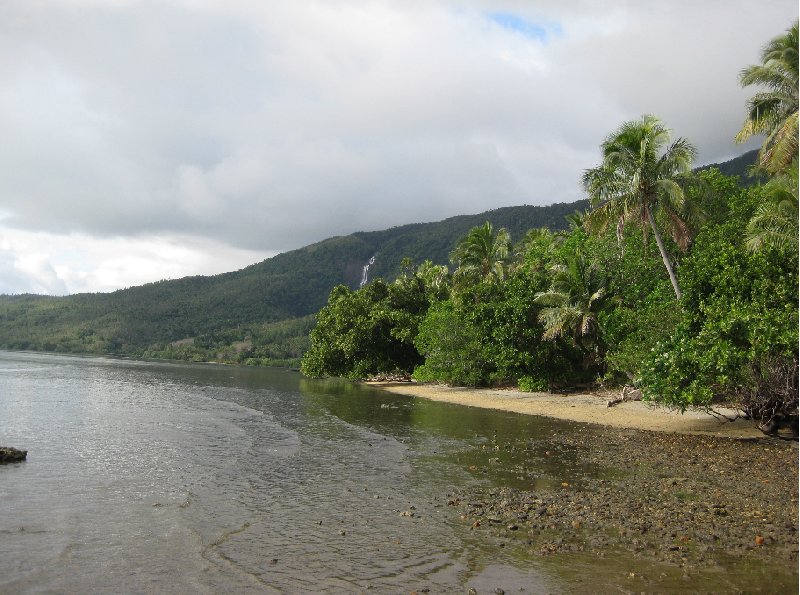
587	408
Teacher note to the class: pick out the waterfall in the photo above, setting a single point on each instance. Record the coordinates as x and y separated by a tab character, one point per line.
365	272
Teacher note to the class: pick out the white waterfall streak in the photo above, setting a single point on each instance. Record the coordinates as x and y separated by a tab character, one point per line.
365	272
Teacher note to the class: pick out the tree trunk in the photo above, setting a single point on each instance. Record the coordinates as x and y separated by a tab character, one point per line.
664	255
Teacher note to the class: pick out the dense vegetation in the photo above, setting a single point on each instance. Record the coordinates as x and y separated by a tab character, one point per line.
682	283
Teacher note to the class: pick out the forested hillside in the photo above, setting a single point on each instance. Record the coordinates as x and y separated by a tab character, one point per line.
261	314
739	166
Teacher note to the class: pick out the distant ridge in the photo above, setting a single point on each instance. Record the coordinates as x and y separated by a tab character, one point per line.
198	310
738	166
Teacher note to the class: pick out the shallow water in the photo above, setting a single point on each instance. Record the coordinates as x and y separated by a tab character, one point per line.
170	478
157	477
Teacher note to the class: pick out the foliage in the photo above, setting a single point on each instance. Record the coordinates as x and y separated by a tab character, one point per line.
740	317
741	167
452	348
529	384
644	312
494	337
773	112
774	223
571	306
435	241
481	255
368	331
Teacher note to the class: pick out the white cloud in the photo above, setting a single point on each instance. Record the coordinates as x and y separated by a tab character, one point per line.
39	262
264	126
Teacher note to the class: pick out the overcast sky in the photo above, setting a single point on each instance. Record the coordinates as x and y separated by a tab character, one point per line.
145	140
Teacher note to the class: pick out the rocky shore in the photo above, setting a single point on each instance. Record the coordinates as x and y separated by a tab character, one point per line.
690	493
688	501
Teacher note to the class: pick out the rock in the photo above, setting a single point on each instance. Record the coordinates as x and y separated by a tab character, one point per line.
629	393
9	454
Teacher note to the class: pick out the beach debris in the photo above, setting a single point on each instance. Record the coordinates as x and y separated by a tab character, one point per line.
389	377
629	393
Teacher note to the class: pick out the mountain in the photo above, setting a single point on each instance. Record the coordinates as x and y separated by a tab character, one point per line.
738	166
244	314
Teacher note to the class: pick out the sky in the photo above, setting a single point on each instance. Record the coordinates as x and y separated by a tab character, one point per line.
154	139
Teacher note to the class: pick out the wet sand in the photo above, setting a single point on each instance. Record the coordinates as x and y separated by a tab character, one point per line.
583	407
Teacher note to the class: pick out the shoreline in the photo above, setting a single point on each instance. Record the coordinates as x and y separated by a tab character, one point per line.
583	408
672	501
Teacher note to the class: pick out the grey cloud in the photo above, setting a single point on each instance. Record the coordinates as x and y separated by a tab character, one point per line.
272	125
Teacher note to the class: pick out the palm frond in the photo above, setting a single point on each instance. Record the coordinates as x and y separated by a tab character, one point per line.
773	112
775	221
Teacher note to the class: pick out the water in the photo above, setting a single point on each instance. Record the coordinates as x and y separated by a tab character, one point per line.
157	477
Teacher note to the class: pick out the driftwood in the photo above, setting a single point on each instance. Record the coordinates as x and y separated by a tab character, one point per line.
629	393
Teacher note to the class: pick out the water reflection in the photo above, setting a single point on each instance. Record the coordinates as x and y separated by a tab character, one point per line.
497	447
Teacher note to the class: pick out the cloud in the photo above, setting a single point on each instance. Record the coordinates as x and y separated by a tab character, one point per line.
263	126
29	273
39	262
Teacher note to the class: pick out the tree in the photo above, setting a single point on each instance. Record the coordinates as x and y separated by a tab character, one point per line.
773	112
452	347
367	331
573	302
482	254
774	223
575	220
640	176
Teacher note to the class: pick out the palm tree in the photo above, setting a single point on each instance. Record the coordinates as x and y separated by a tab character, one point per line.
639	177
774	222
482	254
538	245
575	220
577	294
773	112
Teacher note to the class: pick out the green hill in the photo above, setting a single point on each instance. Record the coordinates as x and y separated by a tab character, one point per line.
261	313
738	166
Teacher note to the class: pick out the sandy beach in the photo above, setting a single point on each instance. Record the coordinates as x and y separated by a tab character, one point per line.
587	408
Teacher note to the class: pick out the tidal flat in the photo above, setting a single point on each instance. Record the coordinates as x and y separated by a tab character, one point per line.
669	512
